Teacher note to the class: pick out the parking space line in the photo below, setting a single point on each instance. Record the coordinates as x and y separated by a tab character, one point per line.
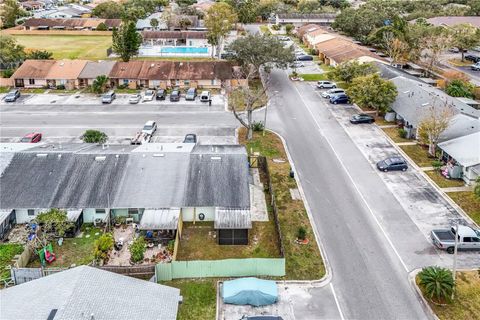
336	302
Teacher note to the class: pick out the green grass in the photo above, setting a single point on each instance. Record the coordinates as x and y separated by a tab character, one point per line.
34	90
303	262
68	46
77	251
7	252
468	202
199	298
312	76
237	97
443	182
264	29
326	68
466	305
460	63
393	134
380	120
419	155
4	89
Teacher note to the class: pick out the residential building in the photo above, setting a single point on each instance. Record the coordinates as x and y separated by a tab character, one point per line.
300	31
68	11
163	24
175	43
314	37
92	70
69	24
337	50
450	21
157	185
32	74
303	18
85	292
32	5
65	73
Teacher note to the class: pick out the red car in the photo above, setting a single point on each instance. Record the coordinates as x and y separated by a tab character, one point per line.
33	137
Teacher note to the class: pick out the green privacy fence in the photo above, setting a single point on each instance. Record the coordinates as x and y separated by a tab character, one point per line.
221	268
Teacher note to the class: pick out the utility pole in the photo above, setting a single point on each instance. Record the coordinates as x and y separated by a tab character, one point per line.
455	261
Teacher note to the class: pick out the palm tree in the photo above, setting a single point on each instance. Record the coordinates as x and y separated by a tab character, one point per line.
437	283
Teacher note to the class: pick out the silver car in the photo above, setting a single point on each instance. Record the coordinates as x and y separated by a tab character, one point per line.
149	95
135	98
326	85
327	94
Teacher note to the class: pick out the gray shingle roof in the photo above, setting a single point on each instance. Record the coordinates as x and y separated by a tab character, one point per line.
84	291
228	218
94	69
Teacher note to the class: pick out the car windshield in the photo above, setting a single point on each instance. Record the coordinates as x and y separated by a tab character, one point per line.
149	92
25	139
106	96
388	162
147	127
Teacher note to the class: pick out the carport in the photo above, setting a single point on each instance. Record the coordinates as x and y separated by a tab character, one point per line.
232	225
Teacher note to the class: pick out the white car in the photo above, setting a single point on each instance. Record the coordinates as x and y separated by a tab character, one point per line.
326	85
134	98
150	127
332	92
297	64
149	95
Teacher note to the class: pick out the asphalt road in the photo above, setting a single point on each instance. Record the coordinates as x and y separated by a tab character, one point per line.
350	205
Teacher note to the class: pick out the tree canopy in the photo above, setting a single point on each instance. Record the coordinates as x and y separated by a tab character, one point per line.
39	55
109	10
126	41
94	136
10	51
219	21
349	70
10	11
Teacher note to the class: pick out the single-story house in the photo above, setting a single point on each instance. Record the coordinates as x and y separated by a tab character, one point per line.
174	23
32	5
71	10
69	23
86	292
126	74
157	185
92	70
312	38
175	43
65	73
450	21
300	31
32	74
337	50
465	151
302	18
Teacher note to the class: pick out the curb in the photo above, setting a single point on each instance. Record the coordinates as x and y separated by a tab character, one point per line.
411	277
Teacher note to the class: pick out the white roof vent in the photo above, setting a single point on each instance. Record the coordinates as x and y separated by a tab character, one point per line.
157	155
100	158
216	158
41	155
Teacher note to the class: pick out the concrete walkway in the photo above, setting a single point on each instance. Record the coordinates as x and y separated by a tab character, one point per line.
457	189
406	143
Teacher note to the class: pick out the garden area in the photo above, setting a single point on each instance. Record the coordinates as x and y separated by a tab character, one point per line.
443	182
437	285
7	252
419	155
468	202
91	47
394	133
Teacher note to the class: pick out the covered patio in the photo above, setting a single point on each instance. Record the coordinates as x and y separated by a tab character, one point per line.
159	225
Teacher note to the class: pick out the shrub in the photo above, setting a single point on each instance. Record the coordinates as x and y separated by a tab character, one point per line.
103	245
437	164
94	136
102	27
276	27
7	73
302	233
137	249
437	283
476	190
61	87
289	28
460	88
171	246
402	133
257	126
313	51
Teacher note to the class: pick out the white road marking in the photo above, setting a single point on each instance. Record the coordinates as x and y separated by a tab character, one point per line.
336	302
353	183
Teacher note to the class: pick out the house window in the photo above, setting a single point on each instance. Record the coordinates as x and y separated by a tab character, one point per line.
99	211
31	81
31	212
132	211
214	82
177	82
190	43
125	82
186	82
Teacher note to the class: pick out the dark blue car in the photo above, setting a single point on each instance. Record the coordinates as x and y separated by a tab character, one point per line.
339	98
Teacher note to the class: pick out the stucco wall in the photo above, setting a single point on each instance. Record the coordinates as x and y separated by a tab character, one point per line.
188	213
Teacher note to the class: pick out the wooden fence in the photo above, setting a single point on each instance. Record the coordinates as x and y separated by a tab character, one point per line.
57	32
141	271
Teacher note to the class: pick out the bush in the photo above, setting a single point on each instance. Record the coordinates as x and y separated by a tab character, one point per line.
476	190
102	27
276	27
60	87
460	88
437	283
257	126
137	249
402	133
313	52
289	28
171	246
94	136
302	233
437	164
103	245
7	73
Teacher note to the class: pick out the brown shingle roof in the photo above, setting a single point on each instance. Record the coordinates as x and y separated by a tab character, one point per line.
66	69
452	20
316	32
343	50
308	27
126	70
174	34
198	70
71	23
33	69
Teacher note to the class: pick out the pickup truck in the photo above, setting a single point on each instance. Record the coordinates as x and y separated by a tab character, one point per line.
468	239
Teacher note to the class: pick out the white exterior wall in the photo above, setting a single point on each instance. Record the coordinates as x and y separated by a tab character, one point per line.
209	212
197	43
23	217
89	215
318	38
39	83
469	176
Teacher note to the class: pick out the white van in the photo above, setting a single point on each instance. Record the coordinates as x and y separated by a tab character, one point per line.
205	96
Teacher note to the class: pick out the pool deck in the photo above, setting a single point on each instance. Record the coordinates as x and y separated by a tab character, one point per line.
171	51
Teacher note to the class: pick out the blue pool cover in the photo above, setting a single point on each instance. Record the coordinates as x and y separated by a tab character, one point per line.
184	50
252	291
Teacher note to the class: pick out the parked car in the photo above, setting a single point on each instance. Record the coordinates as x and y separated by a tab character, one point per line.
304	57
472	57
12	95
161	94
362	118
135	98
392	164
175	96
327	94
108	97
261	317
149	95
475	66
150	127
190	138
444	239
33	137
205	96
191	94
326	84
297	64
339	98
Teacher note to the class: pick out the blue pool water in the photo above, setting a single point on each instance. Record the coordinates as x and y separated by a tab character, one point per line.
184	50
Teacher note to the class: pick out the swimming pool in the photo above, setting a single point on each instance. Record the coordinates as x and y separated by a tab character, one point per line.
185	50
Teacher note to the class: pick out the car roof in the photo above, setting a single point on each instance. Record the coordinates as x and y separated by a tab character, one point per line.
466	231
205	92
29	135
396	159
149	122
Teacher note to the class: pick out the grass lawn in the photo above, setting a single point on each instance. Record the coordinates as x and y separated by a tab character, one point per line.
380	120
312	76
197	243
303	262
199	298
326	68
468	202
77	251
459	63
237	97
443	182
7	252
466	305
33	90
68	46
264	29
393	134
419	155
